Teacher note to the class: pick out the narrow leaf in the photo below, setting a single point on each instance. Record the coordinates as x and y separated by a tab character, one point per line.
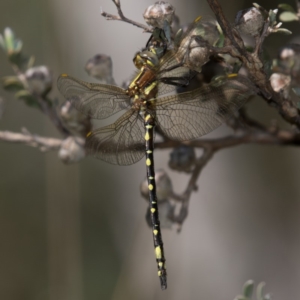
288	16
287	7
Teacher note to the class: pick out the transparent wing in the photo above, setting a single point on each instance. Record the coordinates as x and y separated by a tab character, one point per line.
97	101
170	71
192	114
120	143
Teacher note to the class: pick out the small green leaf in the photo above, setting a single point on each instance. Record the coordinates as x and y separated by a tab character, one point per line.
259	291
12	83
18	46
248	288
27	97
178	37
288	16
283	30
9	38
286	7
2	43
30	62
272	16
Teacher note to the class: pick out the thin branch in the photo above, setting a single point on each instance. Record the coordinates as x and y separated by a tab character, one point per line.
199	166
51	112
121	17
32	140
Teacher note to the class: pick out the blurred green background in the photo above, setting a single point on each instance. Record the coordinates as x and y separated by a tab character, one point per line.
78	232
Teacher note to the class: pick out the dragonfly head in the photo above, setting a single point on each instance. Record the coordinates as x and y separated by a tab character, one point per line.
146	58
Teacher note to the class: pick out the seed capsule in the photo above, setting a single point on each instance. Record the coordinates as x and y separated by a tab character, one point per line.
155	15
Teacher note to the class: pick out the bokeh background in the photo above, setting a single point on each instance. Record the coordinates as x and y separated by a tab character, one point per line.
78	232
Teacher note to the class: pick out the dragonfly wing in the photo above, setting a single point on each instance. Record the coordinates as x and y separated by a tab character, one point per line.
170	71
97	101
193	114
120	143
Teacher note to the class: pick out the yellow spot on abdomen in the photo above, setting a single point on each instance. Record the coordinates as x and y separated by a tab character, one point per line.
64	75
158	252
147	117
152	210
147	136
155	232
148	162
150	187
160	264
159	273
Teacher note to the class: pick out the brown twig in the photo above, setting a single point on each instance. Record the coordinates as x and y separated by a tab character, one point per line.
121	17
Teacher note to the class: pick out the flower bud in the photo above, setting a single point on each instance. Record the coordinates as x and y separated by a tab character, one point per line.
182	158
100	67
39	80
249	21
72	150
281	83
155	15
163	186
198	53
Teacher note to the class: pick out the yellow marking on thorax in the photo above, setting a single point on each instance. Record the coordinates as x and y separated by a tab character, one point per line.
160	264
158	252
64	75
153	210
148	162
150	88
88	134
155	232
147	117
150	187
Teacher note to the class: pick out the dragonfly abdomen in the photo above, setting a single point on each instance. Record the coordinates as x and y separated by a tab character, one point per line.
149	123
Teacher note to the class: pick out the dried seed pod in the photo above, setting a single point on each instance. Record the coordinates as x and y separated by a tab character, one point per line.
39	80
182	158
289	61
249	21
198	53
100	67
163	186
72	150
155	15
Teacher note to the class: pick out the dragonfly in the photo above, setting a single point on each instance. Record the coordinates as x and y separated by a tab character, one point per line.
150	102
